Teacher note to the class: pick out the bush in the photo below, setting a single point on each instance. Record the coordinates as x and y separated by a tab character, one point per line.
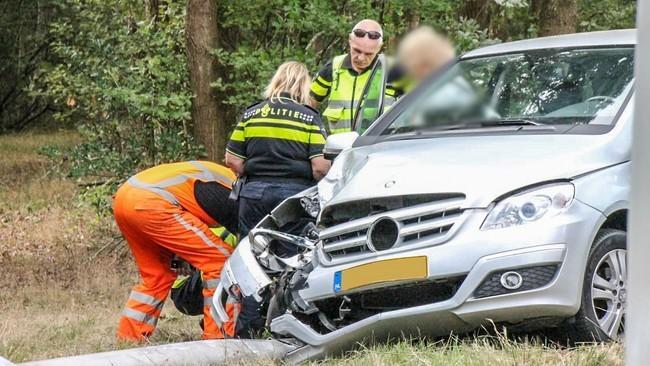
122	76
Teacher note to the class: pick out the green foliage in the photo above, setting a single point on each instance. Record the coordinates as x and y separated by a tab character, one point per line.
598	15
98	198
468	34
313	32
123	77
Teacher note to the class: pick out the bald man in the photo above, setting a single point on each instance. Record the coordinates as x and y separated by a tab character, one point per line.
342	80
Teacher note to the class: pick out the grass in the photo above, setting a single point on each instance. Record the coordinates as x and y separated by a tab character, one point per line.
26	182
61	291
482	351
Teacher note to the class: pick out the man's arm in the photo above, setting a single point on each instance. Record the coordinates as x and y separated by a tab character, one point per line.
235	163
320	86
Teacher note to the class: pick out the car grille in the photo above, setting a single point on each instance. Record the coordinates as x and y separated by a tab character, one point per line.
430	223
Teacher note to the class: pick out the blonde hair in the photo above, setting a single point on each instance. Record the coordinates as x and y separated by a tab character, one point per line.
424	43
292	77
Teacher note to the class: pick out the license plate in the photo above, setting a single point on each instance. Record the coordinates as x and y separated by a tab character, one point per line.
390	270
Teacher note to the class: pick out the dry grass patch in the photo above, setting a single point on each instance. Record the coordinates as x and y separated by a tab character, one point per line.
26	182
54	320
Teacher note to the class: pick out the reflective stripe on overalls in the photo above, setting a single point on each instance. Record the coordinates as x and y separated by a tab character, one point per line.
150	315
345	93
160	188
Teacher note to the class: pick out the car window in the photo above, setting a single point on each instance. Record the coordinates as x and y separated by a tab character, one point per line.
371	105
541	87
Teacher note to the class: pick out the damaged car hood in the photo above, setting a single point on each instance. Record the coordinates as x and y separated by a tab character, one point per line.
480	167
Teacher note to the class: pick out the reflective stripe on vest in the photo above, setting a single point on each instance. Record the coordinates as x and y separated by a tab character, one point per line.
345	92
160	187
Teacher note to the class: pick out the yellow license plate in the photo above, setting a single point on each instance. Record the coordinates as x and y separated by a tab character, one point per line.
399	269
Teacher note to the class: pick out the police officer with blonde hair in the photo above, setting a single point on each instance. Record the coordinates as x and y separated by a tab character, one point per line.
277	148
277	145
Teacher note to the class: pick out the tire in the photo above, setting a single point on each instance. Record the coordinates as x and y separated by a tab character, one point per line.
601	317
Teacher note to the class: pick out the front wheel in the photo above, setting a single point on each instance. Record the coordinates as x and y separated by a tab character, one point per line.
604	295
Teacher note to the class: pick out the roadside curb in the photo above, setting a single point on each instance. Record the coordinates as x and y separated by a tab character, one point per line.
208	352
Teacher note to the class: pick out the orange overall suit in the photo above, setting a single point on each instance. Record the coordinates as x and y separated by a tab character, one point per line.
159	215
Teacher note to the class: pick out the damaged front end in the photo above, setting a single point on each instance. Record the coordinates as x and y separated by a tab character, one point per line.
281	265
274	261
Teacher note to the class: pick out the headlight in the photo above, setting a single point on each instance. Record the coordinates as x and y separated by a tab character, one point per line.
530	206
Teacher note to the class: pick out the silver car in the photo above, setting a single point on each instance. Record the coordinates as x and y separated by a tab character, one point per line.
496	192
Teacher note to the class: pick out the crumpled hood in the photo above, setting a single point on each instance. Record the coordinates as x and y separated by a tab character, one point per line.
481	167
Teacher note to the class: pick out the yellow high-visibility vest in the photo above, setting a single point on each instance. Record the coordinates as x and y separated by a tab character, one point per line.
345	93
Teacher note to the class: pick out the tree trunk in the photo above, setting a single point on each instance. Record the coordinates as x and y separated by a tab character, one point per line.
152	8
210	126
474	9
413	18
555	16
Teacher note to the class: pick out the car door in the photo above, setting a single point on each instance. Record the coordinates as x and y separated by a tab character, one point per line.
371	105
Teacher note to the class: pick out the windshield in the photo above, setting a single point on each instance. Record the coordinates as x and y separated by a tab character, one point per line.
538	88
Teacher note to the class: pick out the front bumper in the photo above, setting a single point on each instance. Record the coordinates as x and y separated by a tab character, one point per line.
563	240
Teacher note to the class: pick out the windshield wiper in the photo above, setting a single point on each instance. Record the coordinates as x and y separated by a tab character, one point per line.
400	130
511	122
414	131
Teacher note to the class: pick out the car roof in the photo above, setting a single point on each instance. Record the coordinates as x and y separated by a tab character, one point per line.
621	37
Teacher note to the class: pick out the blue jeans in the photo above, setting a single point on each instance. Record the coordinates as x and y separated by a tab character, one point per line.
258	198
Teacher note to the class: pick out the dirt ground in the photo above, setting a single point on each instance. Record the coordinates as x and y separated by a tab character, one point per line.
66	274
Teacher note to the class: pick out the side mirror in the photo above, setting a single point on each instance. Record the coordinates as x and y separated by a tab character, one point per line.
335	144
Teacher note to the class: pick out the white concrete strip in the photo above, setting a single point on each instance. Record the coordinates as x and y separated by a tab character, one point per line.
213	352
5	362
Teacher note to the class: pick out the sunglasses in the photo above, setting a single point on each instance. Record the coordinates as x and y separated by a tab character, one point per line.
360	33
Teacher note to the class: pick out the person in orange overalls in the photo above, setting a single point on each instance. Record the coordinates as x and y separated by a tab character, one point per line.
167	210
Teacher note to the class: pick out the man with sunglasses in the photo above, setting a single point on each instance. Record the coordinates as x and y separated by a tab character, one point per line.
343	79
